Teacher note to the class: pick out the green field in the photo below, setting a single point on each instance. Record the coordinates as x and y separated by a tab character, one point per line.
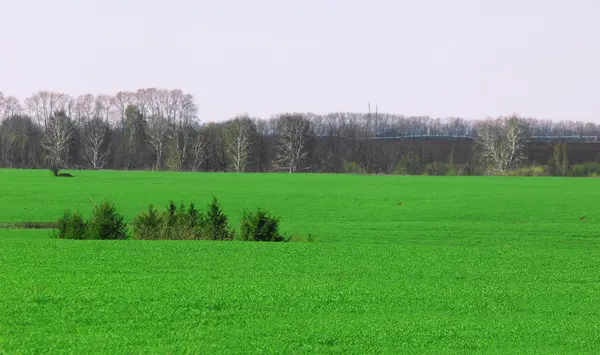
464	264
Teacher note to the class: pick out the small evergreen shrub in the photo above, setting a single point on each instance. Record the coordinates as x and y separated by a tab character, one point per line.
106	223
214	224
260	226
172	215
193	216
70	226
181	222
148	225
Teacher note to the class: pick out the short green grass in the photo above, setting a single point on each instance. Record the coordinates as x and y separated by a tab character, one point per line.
464	264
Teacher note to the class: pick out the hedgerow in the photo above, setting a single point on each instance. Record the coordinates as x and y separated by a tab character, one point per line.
179	222
175	222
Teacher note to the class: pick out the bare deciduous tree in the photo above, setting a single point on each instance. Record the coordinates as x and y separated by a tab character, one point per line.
104	107
500	142
558	164
157	131
214	146
154	106
292	133
239	136
95	151
198	150
9	106
121	101
6	145
57	141
134	128
20	139
85	108
181	113
264	130
43	104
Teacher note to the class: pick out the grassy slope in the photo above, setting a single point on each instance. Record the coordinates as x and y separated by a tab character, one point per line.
490	264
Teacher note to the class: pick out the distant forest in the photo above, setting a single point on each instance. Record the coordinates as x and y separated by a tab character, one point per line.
158	129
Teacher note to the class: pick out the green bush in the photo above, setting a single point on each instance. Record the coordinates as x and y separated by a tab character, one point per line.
214	225
585	170
183	223
440	169
409	164
452	170
106	223
70	226
193	216
528	171
351	167
148	225
261	227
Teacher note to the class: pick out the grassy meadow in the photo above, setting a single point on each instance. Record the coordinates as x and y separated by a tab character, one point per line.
399	265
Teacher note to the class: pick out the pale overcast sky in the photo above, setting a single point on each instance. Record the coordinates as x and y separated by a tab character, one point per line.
467	58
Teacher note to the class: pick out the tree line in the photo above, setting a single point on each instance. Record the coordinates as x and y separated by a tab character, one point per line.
159	129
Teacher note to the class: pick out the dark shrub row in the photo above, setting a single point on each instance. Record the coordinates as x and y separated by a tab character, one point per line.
105	223
174	222
179	222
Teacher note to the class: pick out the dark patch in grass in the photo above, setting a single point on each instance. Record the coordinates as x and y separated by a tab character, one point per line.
55	172
64	175
28	225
